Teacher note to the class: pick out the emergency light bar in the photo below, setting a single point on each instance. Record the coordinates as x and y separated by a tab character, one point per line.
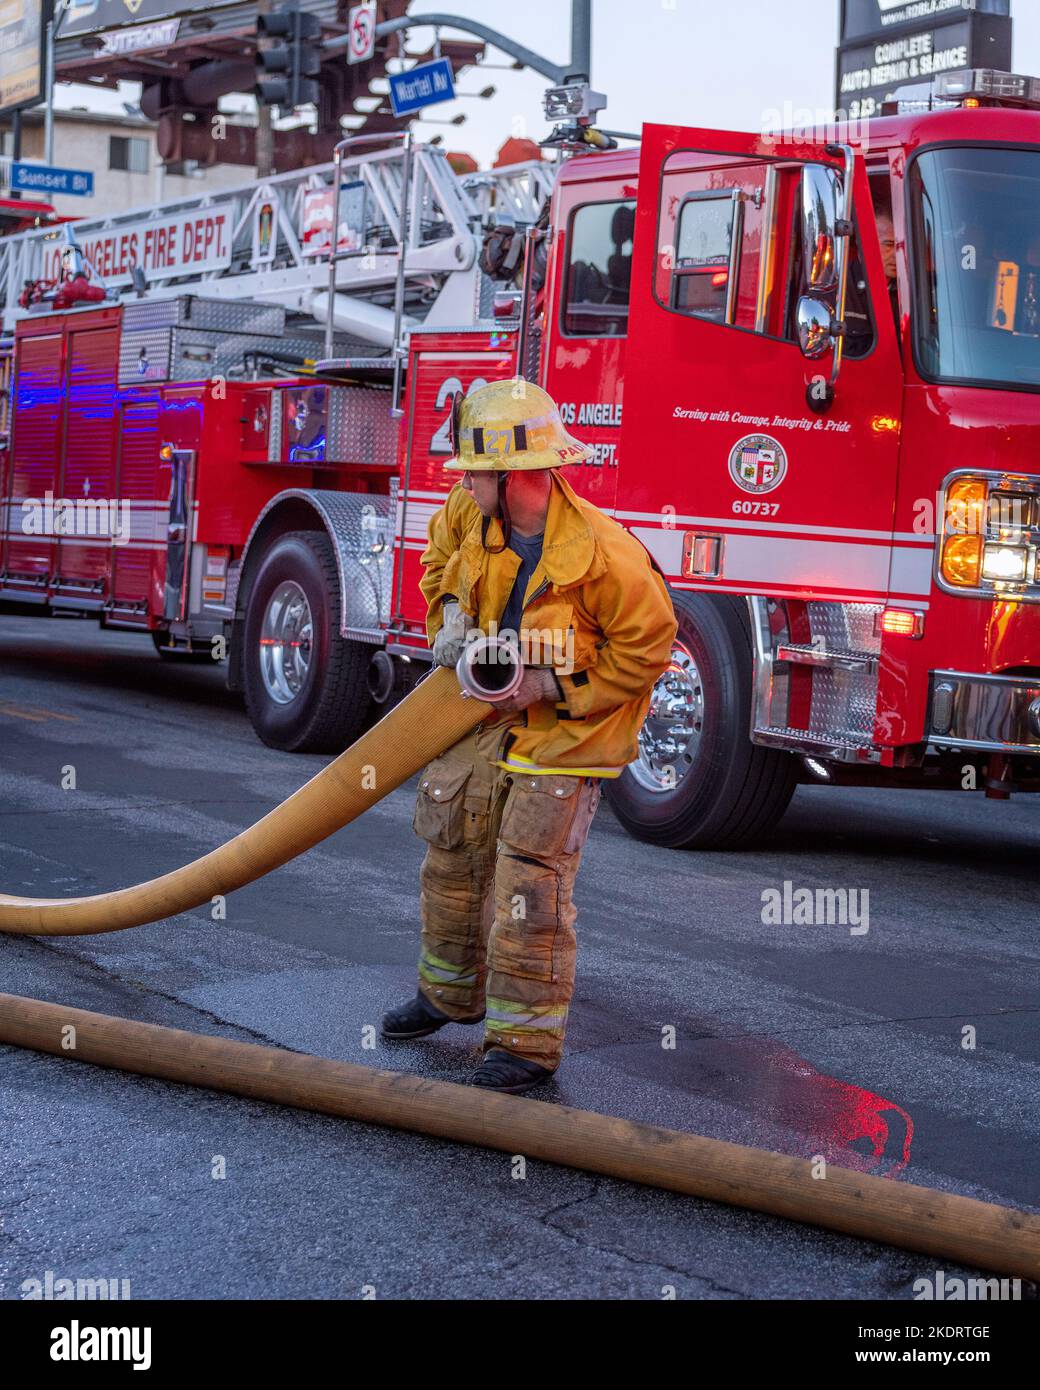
989	85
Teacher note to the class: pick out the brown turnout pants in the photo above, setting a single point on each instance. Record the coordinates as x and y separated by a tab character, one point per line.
496	894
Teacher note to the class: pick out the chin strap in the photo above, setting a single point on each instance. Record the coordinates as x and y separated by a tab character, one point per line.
503	512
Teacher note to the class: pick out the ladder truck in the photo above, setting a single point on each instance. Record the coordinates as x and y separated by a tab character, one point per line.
810	370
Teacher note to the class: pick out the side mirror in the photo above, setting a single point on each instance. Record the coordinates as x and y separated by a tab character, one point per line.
814	327
826	229
822	200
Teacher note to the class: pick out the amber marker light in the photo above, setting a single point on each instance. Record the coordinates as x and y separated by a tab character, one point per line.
964	526
962	560
966	507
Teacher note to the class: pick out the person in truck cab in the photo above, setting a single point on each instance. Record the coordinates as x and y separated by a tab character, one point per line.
506	812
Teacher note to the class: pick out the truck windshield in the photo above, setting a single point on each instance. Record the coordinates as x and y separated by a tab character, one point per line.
977	259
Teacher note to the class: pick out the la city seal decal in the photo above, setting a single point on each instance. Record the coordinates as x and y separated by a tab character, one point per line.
757	463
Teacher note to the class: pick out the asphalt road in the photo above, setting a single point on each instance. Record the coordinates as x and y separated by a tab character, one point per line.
805	1039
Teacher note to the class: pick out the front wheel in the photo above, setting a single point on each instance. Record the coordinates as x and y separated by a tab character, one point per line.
699	782
306	687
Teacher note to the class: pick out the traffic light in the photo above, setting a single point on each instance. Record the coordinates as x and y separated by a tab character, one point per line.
288	64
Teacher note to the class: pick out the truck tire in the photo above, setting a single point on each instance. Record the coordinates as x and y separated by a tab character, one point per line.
306	687
699	782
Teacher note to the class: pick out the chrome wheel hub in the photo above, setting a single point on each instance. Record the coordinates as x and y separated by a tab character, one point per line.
671	732
286	642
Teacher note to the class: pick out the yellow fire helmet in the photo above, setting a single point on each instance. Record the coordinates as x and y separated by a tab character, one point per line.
508	426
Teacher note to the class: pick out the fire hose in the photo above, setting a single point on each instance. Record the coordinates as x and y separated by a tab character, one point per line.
431	719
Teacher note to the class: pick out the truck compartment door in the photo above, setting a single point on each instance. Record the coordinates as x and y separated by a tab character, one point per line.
84	559
34	473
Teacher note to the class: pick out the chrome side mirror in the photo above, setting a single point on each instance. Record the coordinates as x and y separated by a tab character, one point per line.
822	200
814	327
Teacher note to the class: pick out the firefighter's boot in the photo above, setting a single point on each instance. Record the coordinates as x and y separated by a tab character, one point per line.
501	1071
417	1019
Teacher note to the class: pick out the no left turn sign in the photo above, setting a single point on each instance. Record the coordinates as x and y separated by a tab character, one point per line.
361	32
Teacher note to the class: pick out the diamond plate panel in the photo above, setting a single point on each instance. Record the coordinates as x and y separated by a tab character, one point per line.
160	354
844	703
207	315
144	354
361	428
845	627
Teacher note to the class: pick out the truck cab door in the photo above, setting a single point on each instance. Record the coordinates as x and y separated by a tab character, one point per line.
728	475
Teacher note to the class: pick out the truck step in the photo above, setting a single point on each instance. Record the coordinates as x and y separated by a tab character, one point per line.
802	654
843	746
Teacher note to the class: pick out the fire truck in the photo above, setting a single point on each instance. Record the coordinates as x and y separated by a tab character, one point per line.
810	368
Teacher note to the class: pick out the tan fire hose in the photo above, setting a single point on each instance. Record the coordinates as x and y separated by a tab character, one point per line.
939	1224
432	718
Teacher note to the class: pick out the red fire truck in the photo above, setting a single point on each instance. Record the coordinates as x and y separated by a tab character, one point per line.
828	353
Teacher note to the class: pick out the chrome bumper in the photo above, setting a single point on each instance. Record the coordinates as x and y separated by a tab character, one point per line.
996	714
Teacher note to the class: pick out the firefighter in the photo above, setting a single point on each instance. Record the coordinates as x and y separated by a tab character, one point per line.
506	812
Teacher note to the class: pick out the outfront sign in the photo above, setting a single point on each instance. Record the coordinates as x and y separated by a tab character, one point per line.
871	73
141	38
44	178
862	17
422	86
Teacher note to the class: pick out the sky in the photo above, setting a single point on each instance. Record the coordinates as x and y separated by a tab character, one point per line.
719	63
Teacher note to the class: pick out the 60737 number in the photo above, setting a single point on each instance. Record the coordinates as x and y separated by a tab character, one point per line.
749	508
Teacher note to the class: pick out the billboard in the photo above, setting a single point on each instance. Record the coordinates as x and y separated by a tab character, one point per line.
872	72
862	17
93	16
23	31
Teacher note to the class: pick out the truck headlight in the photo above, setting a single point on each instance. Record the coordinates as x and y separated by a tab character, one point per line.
1005	562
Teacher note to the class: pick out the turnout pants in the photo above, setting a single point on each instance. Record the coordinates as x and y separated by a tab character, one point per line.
496	903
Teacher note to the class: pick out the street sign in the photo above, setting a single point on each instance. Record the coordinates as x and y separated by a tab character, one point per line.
44	178
361	32
870	73
421	86
22	40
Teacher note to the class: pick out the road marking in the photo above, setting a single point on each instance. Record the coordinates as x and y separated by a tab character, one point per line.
36	716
